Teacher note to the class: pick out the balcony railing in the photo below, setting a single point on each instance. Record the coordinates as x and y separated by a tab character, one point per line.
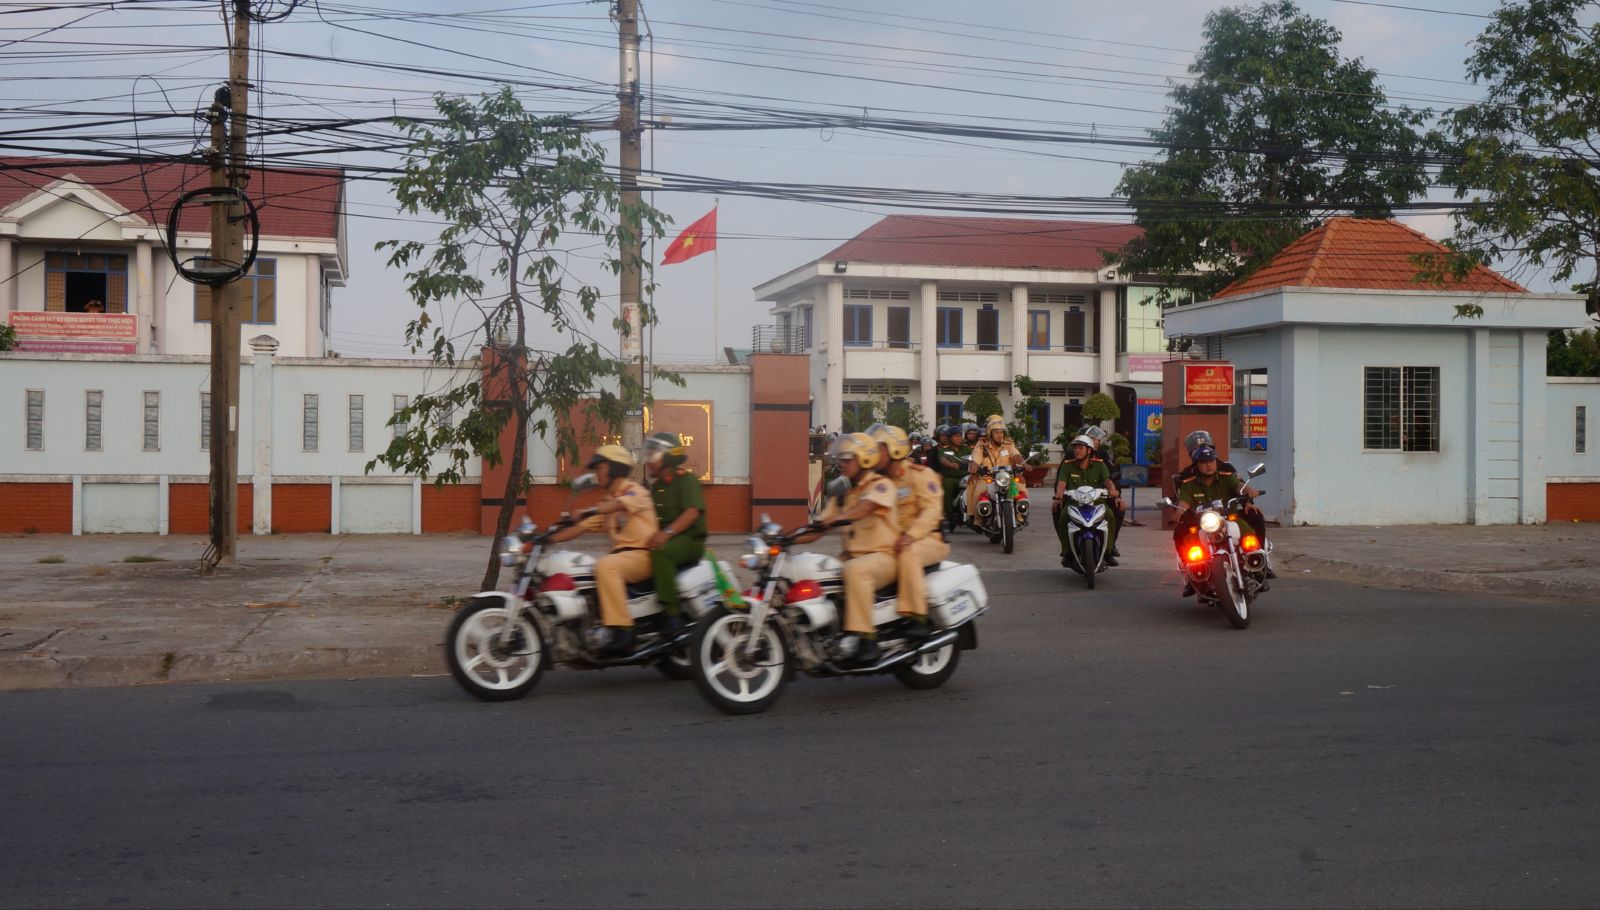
779	339
882	346
981	347
1064	349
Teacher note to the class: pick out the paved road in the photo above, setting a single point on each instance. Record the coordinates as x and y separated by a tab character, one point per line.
1354	747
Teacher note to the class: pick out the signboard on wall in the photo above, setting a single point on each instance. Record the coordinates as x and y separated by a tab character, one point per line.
1146	431
76	333
1146	363
691	420
1256	425
1208	384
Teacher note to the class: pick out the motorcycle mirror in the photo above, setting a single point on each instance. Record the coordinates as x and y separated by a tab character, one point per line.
585	482
1258	470
838	486
1166	501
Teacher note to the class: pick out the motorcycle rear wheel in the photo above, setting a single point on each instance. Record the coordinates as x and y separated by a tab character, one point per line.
734	686
477	661
931	670
676	666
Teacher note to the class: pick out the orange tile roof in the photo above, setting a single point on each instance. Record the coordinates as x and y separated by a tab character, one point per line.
1364	254
1017	243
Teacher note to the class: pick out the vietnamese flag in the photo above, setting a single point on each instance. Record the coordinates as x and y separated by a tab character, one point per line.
697	238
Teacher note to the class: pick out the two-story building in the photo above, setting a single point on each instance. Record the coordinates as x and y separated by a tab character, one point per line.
84	265
931	308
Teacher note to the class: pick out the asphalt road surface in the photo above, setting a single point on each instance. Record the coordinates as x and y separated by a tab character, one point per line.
1123	747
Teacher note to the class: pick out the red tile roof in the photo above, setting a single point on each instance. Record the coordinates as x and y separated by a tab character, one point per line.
1362	253
1006	243
302	202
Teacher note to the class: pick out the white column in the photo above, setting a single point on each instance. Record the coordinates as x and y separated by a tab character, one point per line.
144	291
1019	330
1106	314
334	505
1535	418
833	417
262	348
315	343
416	505
1476	439
930	352
77	504
163	516
8	270
1302	368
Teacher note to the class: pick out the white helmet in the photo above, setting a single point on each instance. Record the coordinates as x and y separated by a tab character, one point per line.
1082	440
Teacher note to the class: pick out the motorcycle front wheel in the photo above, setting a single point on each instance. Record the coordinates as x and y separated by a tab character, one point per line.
485	666
1089	559
731	681
1231	595
1008	528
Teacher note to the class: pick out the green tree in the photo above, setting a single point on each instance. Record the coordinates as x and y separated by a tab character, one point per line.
981	405
894	409
1100	407
1275	132
1024	424
1528	155
8	337
1573	353
508	186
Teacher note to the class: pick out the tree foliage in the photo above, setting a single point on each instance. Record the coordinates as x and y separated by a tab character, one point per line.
509	187
981	405
1100	407
1573	353
1024	423
1528	155
1276	132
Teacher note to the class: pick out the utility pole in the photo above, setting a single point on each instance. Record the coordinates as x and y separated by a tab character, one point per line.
229	169
632	252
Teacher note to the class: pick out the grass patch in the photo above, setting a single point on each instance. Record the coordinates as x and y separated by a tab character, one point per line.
52	559
139	557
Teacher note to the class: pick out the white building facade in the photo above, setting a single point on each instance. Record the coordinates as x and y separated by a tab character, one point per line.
932	309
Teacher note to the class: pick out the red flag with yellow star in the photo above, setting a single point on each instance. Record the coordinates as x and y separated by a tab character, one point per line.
697	238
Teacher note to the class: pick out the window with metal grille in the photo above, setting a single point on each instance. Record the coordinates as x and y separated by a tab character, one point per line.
401	426
35	420
1581	431
858	326
258	297
867	388
358	423
92	399
310	419
152	421
1400	409
71	280
949	326
875	294
205	421
970	296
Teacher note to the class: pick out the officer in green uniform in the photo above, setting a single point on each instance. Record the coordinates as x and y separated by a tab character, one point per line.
681	509
1207	481
948	466
1083	469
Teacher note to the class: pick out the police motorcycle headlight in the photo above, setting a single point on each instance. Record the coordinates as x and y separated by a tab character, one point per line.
1083	495
510	550
1211	522
758	551
1002	479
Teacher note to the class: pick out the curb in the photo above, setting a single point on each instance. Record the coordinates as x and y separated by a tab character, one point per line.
27	671
1437	580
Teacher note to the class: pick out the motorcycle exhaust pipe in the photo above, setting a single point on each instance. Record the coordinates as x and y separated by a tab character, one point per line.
947	637
1256	561
985	508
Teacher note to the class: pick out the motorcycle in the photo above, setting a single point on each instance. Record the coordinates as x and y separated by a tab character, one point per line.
1003	503
1225	561
1088	531
744	654
500	642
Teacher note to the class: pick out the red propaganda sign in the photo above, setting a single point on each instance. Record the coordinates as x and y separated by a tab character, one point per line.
1208	383
76	333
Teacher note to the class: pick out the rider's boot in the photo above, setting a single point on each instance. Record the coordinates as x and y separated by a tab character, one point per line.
671	622
859	650
915	628
1188	588
618	640
1111	557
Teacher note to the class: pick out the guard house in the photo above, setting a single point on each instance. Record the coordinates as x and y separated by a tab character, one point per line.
1386	407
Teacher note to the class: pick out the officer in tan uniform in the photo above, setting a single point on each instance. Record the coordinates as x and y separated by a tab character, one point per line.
869	541
920	509
994	450
628	516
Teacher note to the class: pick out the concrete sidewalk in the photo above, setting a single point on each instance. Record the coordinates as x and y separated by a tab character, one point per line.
75	612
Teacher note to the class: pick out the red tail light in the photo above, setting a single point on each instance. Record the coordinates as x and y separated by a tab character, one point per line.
1196	554
558	582
1250	543
984	496
1022	492
804	590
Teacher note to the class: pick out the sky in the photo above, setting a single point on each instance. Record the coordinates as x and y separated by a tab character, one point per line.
1052	64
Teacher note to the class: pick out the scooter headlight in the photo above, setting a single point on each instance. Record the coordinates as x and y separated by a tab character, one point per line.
1211	522
510	549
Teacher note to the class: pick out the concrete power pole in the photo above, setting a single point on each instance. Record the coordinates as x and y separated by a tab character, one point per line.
632	251
229	168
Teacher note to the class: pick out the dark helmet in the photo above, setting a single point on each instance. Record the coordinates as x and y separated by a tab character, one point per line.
968	428
1195	440
942	431
1203	453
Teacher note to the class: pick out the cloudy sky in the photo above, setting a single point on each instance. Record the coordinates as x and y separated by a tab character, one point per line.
1051	64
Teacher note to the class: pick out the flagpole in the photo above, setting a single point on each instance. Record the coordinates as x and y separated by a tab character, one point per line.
716	288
